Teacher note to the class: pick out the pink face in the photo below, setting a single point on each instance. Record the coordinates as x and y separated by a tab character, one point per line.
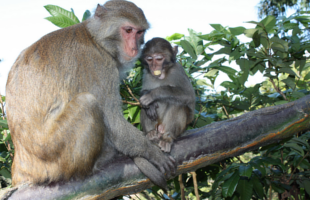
131	35
156	62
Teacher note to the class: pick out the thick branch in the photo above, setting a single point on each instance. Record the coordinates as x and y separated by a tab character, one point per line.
197	148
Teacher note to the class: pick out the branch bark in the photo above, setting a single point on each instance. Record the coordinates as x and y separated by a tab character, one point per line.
195	149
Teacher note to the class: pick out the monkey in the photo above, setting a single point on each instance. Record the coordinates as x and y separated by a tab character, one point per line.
167	96
64	104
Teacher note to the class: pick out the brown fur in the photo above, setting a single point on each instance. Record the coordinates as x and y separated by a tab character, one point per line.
168	99
63	102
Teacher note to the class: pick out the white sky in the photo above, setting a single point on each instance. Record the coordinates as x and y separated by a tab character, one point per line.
22	21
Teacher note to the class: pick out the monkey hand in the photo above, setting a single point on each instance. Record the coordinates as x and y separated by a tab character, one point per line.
166	140
151	111
153	135
165	146
146	100
165	163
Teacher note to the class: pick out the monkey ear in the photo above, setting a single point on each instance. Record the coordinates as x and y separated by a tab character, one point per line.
99	11
175	50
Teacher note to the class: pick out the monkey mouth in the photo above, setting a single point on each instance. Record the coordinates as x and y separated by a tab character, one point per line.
158	74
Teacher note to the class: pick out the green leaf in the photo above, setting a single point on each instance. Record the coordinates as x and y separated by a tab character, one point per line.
226	70
86	15
60	21
211	73
237	30
289	82
230	185
245	170
304	164
307	77
256	38
277	188
225	50
61	17
227	84
300	141
278	47
250	32
189	49
203	82
134	113
235	55
243	76
257	164
280	102
271	161
2	159
307	186
243	63
298	95
245	189
295	147
4	124
269	22
252	22
287	70
217	27
258	187
175	36
8	137
195	41
5	172
278	44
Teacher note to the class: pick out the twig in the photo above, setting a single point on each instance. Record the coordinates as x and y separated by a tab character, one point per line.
199	111
298	166
130	92
198	116
181	187
131	103
170	197
195	185
270	193
277	89
226	112
281	156
137	196
239	159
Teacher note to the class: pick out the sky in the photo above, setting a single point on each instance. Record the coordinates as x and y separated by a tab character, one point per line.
22	21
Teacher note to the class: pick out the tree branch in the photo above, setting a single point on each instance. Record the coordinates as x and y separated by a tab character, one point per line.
195	149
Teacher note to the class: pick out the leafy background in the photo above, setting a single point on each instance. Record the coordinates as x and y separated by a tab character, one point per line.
278	48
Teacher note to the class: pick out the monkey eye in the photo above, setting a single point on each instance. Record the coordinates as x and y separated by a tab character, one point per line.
140	32
149	58
128	30
159	58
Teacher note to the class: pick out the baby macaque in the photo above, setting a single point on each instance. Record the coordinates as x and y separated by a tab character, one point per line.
167	96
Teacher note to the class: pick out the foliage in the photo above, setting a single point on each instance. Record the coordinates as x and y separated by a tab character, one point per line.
277	51
279	7
6	148
64	18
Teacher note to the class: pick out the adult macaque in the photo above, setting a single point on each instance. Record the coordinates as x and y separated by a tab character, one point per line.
168	98
63	101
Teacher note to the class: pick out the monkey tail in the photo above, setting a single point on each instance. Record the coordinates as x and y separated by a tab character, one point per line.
149	170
